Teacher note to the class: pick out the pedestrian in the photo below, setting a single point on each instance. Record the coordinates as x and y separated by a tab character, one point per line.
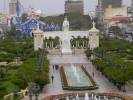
56	67
53	67
52	77
93	74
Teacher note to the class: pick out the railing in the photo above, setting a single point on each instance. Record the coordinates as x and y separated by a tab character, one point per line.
21	94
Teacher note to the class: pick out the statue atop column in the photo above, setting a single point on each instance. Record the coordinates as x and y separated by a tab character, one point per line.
65	26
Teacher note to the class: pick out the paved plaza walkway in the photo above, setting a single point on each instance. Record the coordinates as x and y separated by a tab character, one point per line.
78	59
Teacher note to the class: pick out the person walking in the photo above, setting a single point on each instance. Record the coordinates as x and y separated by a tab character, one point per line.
52	78
93	73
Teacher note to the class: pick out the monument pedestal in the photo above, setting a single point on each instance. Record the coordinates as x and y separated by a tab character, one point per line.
66	51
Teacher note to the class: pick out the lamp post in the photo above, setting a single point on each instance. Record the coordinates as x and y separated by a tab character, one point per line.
123	68
34	91
30	96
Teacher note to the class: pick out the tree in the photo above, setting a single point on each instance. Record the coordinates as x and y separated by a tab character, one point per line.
77	21
116	30
24	17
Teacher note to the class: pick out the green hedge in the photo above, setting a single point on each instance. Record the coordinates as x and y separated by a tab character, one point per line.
114	59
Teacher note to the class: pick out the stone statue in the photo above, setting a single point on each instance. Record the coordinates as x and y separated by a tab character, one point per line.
94	24
66	45
65	26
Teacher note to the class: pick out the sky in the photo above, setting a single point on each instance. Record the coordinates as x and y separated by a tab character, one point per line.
51	7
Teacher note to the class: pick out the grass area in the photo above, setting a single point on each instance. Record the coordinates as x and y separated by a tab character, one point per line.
14	77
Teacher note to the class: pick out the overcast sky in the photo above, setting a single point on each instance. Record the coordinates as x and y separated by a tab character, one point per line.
51	7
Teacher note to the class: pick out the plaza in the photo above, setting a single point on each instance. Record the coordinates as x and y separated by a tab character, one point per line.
78	59
76	54
70	60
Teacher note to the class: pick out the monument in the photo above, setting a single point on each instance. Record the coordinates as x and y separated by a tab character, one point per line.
66	45
38	38
93	37
65	36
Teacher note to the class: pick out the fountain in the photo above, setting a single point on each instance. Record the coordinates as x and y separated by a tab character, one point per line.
89	96
92	95
67	98
75	73
66	45
86	96
77	97
95	97
99	98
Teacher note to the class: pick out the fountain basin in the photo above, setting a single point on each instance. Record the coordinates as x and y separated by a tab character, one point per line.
76	78
81	96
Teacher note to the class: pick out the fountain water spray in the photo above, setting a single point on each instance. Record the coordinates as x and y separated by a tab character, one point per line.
99	98
86	96
75	73
77	97
92	95
105	97
95	97
67	98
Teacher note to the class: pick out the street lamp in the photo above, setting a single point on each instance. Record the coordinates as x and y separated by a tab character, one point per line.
34	91
30	96
124	70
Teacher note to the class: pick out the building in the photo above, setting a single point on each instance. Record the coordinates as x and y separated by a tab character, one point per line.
74	6
3	18
114	3
117	11
3	23
30	24
14	7
103	4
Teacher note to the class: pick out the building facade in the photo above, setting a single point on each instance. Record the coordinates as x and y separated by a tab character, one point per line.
114	3
66	34
111	12
14	7
74	6
30	24
103	5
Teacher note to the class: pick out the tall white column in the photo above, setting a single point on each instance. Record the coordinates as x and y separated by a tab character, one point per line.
52	44
46	45
83	44
76	44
